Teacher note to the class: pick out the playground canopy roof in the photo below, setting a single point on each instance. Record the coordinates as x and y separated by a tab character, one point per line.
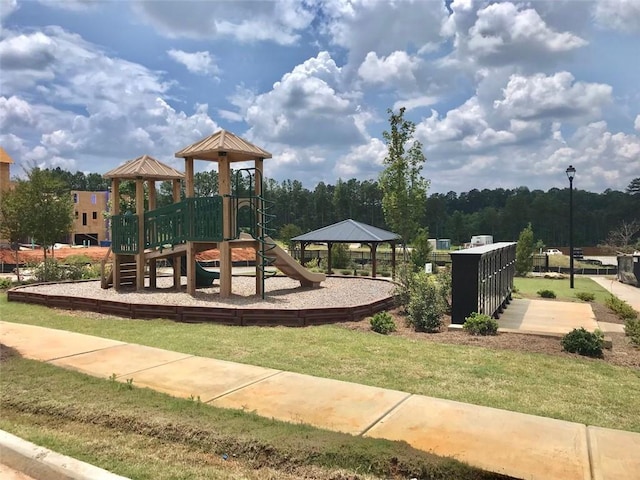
348	231
223	144
145	167
4	156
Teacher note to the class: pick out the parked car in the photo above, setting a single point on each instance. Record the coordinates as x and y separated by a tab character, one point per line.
553	251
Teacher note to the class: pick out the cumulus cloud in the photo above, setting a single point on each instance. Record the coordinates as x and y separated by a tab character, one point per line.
306	107
362	161
636	124
395	70
503	33
623	15
557	96
247	22
200	63
7	7
363	26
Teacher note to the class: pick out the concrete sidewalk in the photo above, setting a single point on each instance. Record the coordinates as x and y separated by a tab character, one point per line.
515	444
628	293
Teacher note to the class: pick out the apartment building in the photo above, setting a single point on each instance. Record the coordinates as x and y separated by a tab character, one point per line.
90	225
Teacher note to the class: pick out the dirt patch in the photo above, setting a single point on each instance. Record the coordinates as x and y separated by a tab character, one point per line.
623	353
96	254
7	352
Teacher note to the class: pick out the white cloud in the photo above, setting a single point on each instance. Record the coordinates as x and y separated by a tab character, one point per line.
395	70
636	124
306	107
7	7
279	22
623	15
556	96
363	26
200	63
505	34
415	102
362	161
73	5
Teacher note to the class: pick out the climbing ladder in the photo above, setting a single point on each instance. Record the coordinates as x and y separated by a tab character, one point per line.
259	219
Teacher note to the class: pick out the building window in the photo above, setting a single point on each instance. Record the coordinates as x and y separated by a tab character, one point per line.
93	199
84	218
75	198
95	215
76	212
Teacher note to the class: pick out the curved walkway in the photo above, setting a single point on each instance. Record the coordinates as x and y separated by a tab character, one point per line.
515	444
628	293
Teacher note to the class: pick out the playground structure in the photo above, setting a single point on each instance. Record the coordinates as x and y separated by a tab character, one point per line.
235	218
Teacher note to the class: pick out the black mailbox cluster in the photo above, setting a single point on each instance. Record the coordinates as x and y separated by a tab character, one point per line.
482	280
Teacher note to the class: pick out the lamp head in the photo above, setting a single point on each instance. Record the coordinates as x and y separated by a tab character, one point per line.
571	172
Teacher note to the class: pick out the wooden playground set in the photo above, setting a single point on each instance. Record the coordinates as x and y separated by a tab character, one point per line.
234	218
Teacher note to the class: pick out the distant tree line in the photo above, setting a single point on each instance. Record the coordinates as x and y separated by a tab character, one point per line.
500	212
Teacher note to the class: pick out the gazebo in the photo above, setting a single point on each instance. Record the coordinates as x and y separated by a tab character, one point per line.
350	231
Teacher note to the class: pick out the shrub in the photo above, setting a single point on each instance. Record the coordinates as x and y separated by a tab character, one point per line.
585	296
49	270
383	323
621	308
5	283
444	279
345	272
632	330
402	291
583	342
340	257
426	307
547	293
480	324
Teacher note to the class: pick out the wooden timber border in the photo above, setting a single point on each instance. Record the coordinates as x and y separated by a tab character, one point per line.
203	314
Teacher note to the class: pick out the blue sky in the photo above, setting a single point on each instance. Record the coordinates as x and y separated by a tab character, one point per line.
503	94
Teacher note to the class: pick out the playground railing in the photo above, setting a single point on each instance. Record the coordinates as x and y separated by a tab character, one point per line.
124	234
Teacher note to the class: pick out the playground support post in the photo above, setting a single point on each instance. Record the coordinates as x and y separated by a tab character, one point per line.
224	182
259	208
177	262
140	214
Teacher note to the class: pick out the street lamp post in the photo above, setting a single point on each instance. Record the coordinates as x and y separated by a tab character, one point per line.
571	173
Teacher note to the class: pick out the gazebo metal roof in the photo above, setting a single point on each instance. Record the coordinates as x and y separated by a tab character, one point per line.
145	167
348	231
223	144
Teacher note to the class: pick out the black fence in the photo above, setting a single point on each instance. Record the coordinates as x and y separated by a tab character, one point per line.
541	264
482	280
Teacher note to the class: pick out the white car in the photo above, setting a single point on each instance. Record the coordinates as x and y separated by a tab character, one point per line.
553	251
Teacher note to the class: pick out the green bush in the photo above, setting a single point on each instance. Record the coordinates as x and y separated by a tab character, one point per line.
426	306
49	270
444	279
586	296
5	283
383	323
621	308
480	324
583	342
402	291
345	272
340	257
546	293
632	330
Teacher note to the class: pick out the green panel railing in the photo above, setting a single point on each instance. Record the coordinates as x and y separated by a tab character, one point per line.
193	219
124	234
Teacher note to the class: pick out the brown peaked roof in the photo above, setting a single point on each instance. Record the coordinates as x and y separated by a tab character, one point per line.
223	143
145	167
4	156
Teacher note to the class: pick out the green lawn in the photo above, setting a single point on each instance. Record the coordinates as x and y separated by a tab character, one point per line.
580	390
143	434
528	287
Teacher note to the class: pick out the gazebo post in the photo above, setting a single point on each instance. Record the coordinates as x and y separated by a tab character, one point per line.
303	245
393	260
140	214
224	182
153	274
177	260
329	246
115	210
373	246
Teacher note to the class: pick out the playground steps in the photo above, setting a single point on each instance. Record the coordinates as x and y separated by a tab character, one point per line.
128	275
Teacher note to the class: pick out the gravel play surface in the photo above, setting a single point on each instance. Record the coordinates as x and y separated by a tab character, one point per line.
281	293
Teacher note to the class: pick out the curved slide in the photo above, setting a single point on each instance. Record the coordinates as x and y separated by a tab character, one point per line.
204	277
291	268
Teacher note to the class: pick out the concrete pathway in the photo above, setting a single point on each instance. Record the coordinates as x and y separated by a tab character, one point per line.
546	317
520	445
628	293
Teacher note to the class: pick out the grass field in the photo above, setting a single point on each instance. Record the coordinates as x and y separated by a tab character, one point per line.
143	434
528	287
580	390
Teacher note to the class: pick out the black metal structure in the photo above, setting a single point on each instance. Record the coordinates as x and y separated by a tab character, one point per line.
482	280
571	173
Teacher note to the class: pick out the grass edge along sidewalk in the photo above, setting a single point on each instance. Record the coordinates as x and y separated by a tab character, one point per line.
584	391
141	433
